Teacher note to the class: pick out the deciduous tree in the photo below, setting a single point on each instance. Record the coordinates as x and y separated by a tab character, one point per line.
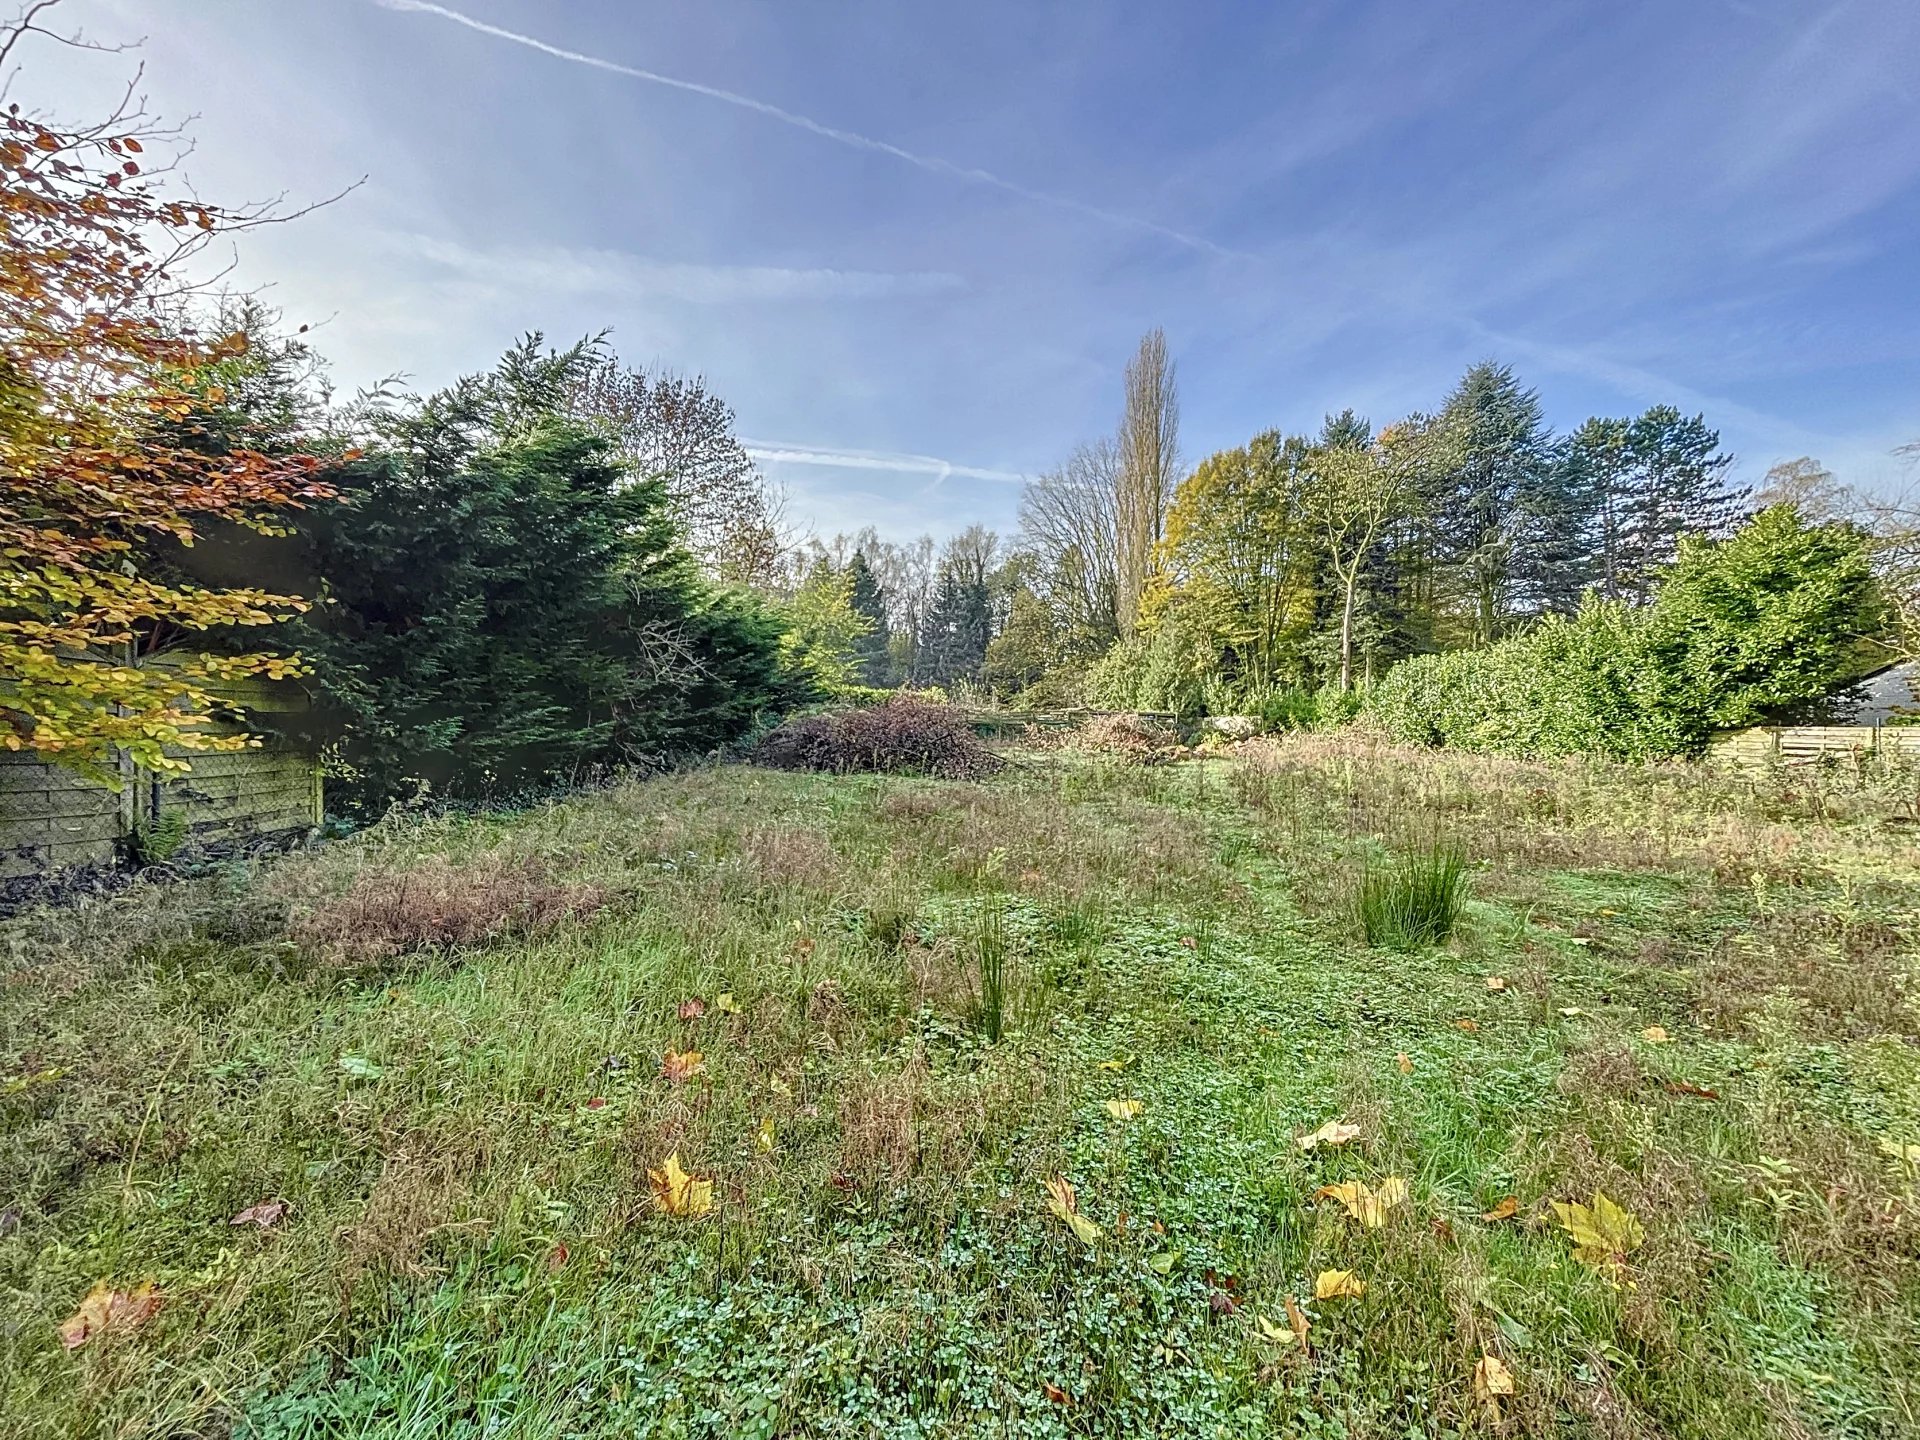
99	384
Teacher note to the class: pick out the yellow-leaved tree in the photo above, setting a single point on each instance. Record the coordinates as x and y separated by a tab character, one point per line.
99	460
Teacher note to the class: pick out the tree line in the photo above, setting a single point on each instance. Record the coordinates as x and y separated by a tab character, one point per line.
564	562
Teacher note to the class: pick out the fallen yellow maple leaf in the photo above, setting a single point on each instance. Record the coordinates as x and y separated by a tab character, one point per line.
1491	1379
1603	1233
1063	1202
681	1065
1365	1204
1505	1210
1656	1035
677	1192
1334	1132
1332	1284
104	1308
1124	1109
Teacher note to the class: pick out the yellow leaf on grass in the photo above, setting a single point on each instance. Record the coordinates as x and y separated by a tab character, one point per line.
1404	1062
677	1192
1117	1063
1603	1233
723	1002
1274	1334
1365	1204
1063	1202
104	1308
1505	1210
764	1136
1332	1284
1496	982
1334	1132
1656	1035
681	1065
1124	1109
1491	1379
1467	1025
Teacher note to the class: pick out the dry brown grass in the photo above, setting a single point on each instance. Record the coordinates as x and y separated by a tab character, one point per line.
439	903
1129	737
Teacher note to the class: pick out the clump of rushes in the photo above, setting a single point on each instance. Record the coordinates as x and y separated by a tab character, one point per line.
1415	902
990	958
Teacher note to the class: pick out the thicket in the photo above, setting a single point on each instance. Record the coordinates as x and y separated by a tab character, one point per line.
906	735
1740	632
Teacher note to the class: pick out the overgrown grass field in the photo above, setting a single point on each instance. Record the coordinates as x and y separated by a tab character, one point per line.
436	1073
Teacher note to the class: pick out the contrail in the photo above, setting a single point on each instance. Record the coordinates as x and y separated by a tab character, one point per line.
780	452
931	163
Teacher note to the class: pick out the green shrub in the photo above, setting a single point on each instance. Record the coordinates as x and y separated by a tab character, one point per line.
1741	631
1415	902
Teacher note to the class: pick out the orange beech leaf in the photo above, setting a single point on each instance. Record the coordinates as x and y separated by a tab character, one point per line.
104	1308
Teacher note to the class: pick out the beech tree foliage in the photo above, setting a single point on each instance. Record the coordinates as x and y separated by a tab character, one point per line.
100	384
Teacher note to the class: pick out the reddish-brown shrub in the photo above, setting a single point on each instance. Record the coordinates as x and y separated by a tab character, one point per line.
905	736
435	904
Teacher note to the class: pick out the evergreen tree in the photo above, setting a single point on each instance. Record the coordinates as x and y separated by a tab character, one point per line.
957	628
1496	520
875	648
504	606
1679	488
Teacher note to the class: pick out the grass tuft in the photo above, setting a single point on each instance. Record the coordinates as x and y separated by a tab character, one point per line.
1416	902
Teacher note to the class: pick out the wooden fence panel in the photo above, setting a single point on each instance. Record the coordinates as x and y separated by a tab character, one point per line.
51	819
1809	744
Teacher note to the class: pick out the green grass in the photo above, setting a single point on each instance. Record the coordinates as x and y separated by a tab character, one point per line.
1415	902
933	992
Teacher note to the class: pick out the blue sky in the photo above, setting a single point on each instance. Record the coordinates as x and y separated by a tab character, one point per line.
913	245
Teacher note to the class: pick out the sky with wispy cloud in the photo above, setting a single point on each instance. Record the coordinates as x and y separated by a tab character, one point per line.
914	245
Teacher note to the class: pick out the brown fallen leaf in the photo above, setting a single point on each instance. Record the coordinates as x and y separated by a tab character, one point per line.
557	1258
1467	1025
1296	1320
680	1066
692	1009
104	1308
1441	1228
1491	1380
1687	1087
265	1214
1404	1062
1055	1394
1334	1132
1505	1210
